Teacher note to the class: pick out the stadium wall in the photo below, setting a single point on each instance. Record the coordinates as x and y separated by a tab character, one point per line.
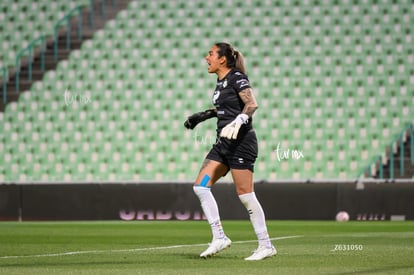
373	200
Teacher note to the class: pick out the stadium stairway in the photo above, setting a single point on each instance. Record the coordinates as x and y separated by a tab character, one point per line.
403	165
103	11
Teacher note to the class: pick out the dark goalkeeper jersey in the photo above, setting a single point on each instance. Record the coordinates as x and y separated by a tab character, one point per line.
227	101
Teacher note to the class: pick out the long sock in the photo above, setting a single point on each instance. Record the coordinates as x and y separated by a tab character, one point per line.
257	218
210	209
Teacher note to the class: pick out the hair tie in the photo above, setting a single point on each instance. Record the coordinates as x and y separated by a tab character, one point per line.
236	54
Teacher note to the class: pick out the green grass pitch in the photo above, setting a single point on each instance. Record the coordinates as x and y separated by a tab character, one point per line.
172	247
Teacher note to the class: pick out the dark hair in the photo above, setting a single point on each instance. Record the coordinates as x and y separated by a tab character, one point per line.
234	58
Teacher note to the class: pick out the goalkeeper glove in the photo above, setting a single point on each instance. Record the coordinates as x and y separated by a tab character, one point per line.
196	118
231	130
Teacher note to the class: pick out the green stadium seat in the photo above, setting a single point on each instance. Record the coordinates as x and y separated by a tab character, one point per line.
332	80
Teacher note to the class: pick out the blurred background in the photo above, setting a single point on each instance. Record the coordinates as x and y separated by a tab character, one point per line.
94	95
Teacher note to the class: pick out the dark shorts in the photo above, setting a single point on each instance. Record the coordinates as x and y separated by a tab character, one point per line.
236	154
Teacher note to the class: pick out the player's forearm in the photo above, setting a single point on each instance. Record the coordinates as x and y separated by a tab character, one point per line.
249	109
214	111
210	113
196	118
250	104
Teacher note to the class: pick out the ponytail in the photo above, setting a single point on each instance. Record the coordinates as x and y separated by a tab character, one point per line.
239	58
234	58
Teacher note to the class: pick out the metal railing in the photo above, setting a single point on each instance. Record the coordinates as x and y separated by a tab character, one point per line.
29	50
66	20
397	147
77	11
4	80
400	141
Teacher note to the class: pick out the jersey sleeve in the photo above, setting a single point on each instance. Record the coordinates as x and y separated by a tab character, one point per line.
241	82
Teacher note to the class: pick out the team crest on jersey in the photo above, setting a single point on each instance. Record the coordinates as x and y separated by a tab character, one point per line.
225	83
215	97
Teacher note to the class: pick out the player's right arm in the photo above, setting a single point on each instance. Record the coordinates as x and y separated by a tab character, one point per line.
196	118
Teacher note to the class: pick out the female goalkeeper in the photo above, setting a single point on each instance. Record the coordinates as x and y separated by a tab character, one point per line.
235	150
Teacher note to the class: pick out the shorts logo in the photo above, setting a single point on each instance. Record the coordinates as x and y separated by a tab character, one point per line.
241	160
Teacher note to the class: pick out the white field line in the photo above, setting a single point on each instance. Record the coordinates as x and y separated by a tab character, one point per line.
131	249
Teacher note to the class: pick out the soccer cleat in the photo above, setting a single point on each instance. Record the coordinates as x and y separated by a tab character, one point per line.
262	252
215	247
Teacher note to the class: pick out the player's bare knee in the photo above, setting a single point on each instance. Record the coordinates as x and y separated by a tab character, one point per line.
241	190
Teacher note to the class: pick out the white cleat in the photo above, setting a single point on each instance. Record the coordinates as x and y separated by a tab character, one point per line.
262	252
215	247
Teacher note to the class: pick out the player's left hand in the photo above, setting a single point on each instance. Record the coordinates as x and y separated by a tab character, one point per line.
231	130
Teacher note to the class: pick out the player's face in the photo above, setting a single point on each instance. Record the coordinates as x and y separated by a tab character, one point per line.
214	62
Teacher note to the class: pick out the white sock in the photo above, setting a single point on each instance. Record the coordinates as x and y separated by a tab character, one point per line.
210	209
257	218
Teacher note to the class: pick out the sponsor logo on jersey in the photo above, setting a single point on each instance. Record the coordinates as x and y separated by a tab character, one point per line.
242	83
